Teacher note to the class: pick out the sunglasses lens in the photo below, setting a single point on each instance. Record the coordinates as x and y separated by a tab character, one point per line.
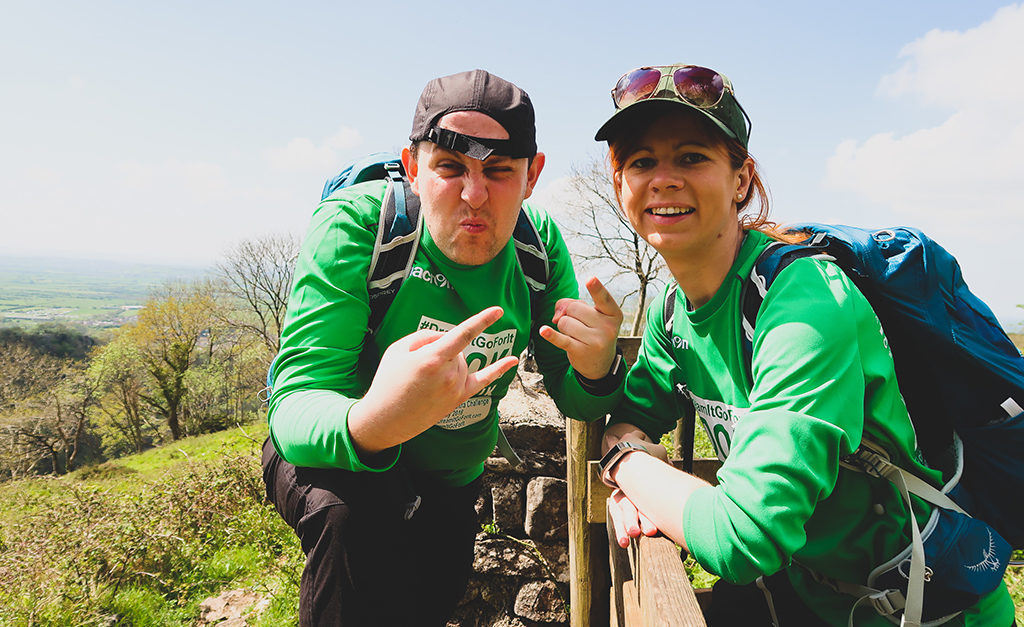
699	85
636	85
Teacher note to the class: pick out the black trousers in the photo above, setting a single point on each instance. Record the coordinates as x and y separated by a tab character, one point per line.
366	562
747	605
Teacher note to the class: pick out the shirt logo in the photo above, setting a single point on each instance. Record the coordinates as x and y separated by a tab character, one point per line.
484	350
434	278
719	421
679	342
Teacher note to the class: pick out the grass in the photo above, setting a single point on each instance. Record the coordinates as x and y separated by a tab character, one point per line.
143	540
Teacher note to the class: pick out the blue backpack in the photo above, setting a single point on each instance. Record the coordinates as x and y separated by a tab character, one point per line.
963	383
398	238
400	228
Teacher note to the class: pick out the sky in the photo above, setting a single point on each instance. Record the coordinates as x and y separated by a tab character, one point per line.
168	132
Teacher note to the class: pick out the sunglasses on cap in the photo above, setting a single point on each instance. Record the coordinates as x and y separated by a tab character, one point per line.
699	86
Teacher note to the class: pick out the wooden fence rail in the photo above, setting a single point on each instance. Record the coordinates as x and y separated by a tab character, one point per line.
643	585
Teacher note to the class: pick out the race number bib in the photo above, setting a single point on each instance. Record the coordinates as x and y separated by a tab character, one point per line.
483	351
719	422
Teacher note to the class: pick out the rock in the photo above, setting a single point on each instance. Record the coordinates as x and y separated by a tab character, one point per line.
542	602
231	608
534	463
507	501
503	556
556	556
506	621
547	515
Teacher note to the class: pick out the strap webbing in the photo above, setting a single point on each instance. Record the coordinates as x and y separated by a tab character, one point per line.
506	449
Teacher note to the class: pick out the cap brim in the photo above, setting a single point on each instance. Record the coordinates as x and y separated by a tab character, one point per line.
608	129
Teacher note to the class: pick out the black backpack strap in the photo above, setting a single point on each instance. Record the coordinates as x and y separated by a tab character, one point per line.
531	254
689	417
668	312
398	238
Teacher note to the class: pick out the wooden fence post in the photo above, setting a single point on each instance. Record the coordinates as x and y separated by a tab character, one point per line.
588	543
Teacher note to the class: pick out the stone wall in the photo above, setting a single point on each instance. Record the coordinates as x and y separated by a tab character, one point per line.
521	570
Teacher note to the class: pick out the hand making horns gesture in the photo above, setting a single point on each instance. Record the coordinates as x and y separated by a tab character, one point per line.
422	378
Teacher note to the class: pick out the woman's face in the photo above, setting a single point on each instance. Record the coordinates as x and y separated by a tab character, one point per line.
679	189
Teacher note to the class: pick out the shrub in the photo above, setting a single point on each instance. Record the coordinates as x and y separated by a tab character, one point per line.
92	554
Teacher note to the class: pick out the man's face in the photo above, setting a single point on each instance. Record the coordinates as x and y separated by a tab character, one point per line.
469	206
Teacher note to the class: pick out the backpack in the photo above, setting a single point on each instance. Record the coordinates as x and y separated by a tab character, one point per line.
963	383
400	227
398	238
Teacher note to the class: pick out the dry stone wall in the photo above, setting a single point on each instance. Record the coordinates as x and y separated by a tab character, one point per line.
521	569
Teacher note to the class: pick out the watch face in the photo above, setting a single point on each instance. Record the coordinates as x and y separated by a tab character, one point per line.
615	450
608	456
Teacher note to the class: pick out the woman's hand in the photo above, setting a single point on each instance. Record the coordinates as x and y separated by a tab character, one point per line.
628	521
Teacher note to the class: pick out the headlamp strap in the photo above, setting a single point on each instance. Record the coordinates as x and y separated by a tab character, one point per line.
476	147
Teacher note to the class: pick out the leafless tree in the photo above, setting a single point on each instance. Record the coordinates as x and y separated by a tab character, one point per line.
258	272
49	423
605	236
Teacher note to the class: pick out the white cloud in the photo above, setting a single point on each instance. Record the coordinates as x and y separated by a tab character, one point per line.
959	180
302	153
974	69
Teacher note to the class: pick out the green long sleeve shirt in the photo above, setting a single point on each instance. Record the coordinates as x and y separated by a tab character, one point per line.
821	377
328	359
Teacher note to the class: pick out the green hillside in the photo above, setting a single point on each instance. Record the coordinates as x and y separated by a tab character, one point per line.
97	293
143	540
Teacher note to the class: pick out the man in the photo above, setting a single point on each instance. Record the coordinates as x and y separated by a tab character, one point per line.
378	439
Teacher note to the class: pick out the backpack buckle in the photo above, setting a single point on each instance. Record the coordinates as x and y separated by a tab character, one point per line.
394	172
869	458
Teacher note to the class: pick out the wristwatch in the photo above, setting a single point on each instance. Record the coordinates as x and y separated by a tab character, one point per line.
614	455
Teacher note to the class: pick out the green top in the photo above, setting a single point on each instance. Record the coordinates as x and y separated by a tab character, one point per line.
822	376
328	359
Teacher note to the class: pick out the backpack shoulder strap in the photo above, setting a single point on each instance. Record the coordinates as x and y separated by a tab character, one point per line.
668	311
530	253
398	237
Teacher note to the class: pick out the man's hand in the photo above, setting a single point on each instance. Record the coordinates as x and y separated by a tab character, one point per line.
420	380
587	333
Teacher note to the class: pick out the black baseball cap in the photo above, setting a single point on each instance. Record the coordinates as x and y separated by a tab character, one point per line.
477	90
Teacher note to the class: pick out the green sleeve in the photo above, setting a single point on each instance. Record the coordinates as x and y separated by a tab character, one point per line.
559	377
806	410
650	401
316	373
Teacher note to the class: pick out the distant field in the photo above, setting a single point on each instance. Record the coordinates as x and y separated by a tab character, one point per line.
92	292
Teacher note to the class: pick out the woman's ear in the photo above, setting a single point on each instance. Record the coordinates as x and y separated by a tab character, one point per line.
744	176
617	185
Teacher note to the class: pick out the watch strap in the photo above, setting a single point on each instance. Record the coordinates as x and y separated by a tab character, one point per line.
614	456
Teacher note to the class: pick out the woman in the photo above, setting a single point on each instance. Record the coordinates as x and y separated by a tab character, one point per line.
820	377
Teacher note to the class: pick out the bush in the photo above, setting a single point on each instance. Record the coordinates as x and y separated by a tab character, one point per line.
93	554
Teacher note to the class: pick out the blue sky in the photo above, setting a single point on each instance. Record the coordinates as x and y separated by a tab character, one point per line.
167	132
